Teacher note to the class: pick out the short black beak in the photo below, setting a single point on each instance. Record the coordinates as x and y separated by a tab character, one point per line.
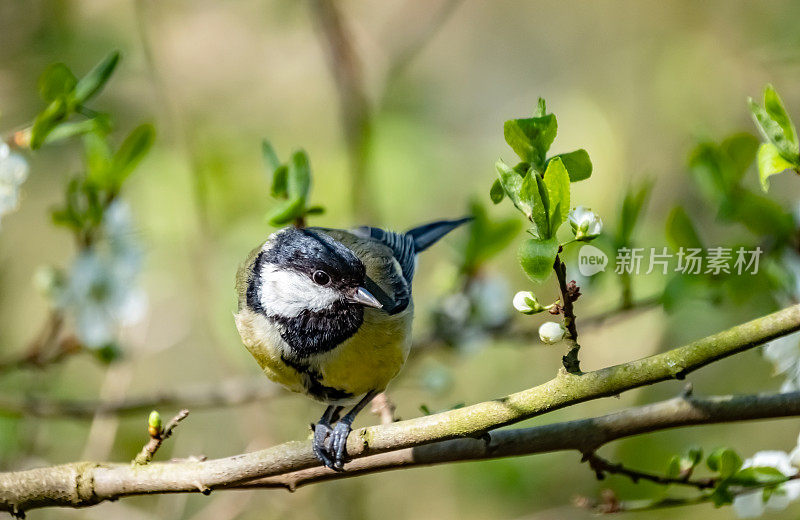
364	297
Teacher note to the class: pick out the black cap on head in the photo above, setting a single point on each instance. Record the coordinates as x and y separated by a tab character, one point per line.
308	251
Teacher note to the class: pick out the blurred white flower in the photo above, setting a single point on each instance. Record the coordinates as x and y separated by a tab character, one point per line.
585	223
753	505
784	354
526	303
100	291
13	172
467	319
551	332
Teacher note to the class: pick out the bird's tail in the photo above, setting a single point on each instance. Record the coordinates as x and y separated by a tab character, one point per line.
428	234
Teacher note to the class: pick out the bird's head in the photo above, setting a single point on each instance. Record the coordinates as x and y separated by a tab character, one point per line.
303	270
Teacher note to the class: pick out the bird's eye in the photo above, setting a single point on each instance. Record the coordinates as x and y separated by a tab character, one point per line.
321	278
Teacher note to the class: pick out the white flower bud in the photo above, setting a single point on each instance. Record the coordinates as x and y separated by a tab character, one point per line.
585	223
551	332
526	303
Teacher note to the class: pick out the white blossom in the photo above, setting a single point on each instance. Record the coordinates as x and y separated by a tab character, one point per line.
526	303
100	291
585	223
551	332
784	354
13	172
753	505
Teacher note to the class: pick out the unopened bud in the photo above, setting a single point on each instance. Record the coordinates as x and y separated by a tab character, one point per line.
551	332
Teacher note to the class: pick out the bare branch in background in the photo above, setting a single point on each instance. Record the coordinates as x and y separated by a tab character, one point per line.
354	105
383	407
88	483
413	46
224	393
48	348
357	114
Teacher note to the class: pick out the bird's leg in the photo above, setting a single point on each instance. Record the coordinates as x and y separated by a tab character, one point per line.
342	429
321	431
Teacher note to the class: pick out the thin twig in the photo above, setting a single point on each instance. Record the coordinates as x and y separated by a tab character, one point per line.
602	466
47	348
157	438
569	293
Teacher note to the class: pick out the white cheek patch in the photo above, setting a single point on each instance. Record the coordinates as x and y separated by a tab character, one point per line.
287	293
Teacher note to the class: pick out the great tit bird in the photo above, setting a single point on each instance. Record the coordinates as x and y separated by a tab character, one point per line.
327	313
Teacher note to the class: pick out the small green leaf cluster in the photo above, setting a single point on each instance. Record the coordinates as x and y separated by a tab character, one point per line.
539	186
781	152
98	291
291	184
731	476
66	96
89	193
718	170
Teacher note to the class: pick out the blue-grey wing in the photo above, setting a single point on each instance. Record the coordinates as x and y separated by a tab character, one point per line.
401	244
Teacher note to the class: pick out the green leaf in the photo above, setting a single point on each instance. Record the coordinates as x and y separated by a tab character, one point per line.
132	151
497	193
556	179
536	256
56	81
773	104
725	461
779	132
534	194
98	159
631	210
46	121
271	160
674	467
93	82
298	182
63	131
280	180
695	456
771	162
287	212
577	163
681	231
722	495
315	210
511	182
541	108
531	138
759	476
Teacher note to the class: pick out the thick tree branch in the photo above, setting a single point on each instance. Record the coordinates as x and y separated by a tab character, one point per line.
85	484
583	435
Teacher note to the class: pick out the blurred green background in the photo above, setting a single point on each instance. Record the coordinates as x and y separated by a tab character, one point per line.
636	83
